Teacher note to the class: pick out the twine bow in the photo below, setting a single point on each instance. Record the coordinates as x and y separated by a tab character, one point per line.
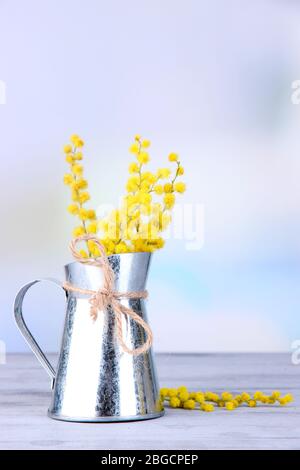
107	296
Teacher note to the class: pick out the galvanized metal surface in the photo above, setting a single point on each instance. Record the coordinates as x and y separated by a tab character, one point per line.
95	380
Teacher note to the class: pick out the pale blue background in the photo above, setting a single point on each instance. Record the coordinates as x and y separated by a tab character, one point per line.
208	79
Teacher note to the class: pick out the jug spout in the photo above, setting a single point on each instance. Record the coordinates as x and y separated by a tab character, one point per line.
95	379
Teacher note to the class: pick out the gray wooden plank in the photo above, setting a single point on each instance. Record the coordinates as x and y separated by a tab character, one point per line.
25	395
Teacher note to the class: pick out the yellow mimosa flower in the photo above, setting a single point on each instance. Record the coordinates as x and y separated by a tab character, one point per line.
134	148
179	187
73	209
92	227
168	188
68	179
78	231
173	157
68	148
83	197
69	158
143	157
77	169
163	173
133	167
146	143
169	200
158	189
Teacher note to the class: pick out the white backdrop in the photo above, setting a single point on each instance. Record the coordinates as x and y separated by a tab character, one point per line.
210	80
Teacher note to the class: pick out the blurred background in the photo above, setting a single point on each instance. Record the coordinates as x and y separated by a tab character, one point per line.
210	80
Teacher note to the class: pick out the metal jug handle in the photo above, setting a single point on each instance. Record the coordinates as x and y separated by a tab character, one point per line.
18	313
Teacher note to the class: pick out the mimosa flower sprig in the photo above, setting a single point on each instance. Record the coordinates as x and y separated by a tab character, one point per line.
206	401
79	194
145	210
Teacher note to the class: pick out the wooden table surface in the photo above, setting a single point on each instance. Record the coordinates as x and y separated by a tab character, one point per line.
25	394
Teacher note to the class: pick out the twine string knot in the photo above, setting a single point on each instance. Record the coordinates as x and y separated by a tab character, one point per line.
106	296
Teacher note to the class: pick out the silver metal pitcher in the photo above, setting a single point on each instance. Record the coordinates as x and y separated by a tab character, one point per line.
95	380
